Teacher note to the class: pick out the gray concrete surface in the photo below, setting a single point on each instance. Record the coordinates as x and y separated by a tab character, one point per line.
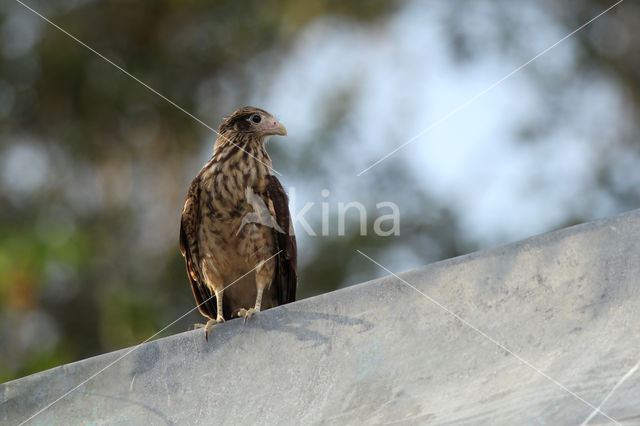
567	304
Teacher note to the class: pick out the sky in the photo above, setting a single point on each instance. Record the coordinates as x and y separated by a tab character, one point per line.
406	79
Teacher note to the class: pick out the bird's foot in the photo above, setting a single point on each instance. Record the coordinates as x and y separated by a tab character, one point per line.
209	326
247	313
195	326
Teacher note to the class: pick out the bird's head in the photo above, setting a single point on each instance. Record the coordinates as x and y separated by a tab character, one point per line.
252	122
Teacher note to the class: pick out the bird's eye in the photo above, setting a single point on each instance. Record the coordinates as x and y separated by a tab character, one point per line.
256	118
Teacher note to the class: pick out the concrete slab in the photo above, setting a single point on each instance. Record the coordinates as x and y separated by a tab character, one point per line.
545	329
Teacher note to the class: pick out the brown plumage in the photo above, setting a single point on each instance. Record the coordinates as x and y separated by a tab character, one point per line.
236	233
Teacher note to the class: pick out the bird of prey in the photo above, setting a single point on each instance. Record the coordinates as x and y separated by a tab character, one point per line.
236	234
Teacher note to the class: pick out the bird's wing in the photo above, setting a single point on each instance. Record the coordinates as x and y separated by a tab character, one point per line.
286	277
189	223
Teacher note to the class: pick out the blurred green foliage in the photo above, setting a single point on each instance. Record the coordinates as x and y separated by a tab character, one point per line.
75	279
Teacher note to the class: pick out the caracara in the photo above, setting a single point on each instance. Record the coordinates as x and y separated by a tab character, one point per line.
236	234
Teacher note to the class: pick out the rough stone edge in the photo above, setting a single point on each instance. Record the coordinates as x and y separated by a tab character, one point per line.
556	235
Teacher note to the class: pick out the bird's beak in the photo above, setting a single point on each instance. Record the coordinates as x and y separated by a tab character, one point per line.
277	129
282	131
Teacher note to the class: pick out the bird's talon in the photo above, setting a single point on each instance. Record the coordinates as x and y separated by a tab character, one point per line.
209	326
247	313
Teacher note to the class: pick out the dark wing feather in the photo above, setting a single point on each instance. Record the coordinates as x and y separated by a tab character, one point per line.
189	223
286	277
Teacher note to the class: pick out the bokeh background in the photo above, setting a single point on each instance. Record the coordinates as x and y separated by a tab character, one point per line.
94	167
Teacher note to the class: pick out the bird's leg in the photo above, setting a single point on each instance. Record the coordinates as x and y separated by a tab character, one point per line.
247	313
216	283
219	317
264	274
